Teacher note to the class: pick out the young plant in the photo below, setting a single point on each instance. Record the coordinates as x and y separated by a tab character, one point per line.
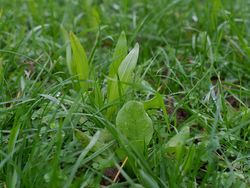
132	120
79	65
121	71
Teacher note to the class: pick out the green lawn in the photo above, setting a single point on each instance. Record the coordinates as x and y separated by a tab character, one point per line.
145	93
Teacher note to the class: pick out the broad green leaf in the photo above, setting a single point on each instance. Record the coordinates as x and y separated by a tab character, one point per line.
128	65
80	65
135	124
125	73
119	54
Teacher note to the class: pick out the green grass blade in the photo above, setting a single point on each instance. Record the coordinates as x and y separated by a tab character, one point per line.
147	180
11	147
13	137
80	66
119	54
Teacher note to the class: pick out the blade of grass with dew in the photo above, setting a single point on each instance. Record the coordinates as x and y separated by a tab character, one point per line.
79	66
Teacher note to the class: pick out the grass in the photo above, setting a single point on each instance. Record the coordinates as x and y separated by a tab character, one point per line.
192	75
